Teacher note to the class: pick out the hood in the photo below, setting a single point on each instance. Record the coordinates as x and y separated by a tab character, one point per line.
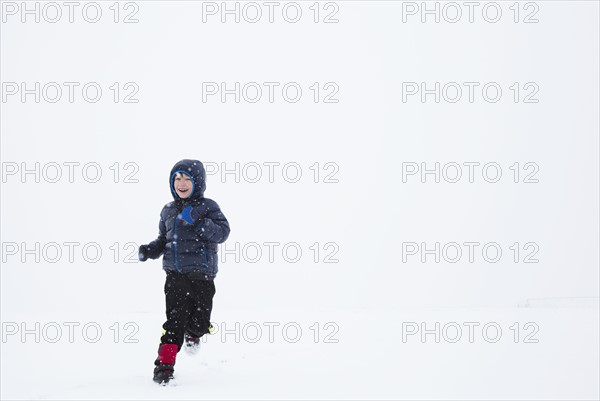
193	168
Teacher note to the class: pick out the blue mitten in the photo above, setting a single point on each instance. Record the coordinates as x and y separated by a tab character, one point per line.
189	215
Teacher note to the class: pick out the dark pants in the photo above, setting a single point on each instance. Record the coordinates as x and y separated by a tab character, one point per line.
189	304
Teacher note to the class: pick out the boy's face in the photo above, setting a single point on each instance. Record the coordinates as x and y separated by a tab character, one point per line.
183	185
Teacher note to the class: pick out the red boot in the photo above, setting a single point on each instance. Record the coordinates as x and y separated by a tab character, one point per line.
163	372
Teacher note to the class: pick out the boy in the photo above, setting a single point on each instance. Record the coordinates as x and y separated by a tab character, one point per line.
189	230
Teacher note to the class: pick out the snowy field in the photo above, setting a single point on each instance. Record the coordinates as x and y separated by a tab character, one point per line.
366	358
415	216
265	350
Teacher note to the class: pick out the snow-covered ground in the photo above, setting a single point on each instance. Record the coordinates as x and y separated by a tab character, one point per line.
338	353
97	339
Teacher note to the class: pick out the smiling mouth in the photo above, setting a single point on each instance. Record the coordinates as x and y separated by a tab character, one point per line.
182	190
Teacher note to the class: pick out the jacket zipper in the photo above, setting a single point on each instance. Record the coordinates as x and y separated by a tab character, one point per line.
175	253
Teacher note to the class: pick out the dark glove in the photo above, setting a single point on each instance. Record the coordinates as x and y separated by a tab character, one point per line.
143	253
190	215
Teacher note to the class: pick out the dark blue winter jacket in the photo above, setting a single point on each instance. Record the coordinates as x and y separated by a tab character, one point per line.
190	248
